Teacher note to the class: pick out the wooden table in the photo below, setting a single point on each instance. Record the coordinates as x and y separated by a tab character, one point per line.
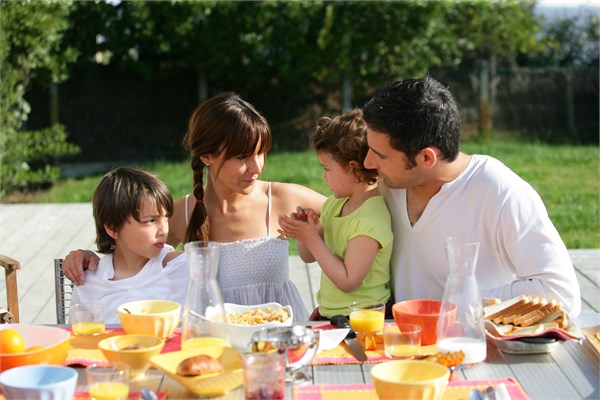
571	371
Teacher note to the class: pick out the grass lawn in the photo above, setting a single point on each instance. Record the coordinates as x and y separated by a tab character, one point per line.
566	177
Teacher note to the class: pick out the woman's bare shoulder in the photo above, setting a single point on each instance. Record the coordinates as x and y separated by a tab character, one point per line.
179	209
284	189
297	195
177	222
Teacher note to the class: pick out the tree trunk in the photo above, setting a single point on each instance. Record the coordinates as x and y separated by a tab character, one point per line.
347	90
569	99
54	110
202	86
485	125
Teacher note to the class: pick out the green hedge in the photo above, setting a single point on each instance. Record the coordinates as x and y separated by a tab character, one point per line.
30	159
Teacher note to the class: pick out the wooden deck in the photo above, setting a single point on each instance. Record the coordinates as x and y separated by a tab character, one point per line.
35	234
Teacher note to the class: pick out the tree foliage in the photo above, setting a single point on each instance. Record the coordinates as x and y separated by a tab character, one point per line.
298	46
281	54
30	46
569	41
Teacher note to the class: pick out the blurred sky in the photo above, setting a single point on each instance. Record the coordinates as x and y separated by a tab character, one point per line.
552	9
569	3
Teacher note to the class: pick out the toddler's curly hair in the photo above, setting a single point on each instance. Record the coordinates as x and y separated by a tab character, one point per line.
345	138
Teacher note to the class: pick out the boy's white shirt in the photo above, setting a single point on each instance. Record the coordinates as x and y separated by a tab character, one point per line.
153	282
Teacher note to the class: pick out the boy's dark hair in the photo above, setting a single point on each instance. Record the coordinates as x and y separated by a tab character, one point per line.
416	113
345	138
118	197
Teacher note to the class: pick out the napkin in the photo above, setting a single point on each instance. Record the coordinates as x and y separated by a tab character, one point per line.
540	330
329	338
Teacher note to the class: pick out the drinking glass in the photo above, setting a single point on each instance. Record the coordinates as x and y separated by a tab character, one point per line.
264	375
402	340
87	319
108	381
367	318
297	343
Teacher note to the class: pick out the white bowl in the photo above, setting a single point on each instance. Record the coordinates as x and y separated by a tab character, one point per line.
39	382
240	335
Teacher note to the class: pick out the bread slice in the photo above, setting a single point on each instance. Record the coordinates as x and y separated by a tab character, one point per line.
490	301
509	317
493	311
538	314
558	317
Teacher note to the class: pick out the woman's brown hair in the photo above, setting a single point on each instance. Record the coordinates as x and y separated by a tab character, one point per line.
224	124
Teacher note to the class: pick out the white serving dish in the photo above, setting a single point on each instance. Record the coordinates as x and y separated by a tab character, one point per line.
240	335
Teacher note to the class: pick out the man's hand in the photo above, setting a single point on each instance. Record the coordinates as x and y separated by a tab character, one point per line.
76	261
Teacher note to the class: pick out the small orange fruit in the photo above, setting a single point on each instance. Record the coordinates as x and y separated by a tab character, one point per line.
11	341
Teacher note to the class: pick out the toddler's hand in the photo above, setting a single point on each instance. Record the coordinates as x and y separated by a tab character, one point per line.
304	214
298	228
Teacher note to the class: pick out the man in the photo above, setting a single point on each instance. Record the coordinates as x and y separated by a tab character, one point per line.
435	191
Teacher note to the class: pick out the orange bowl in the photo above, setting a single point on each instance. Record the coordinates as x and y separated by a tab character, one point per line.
55	343
424	312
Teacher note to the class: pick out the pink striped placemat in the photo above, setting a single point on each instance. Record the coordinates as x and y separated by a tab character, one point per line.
456	390
341	354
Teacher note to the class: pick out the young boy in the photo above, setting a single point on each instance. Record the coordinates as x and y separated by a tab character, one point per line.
131	210
352	240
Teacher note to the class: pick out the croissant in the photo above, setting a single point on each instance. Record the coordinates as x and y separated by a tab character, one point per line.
199	365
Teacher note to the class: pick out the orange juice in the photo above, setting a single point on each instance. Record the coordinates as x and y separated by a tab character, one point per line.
402	350
214	343
367	321
109	391
88	328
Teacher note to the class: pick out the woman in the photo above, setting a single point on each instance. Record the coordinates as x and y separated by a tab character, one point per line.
227	140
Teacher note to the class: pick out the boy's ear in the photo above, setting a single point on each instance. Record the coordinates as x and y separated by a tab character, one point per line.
111	232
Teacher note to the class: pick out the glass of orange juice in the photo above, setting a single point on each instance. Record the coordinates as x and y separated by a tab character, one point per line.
87	318
367	318
204	341
108	381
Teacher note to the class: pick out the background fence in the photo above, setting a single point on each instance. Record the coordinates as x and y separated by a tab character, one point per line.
115	115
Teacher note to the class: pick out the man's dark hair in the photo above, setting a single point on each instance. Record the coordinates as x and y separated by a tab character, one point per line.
416	113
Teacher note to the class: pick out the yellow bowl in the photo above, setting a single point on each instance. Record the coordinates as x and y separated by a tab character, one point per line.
133	350
150	317
410	379
54	344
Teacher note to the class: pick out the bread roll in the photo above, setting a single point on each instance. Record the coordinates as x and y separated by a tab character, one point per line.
199	365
